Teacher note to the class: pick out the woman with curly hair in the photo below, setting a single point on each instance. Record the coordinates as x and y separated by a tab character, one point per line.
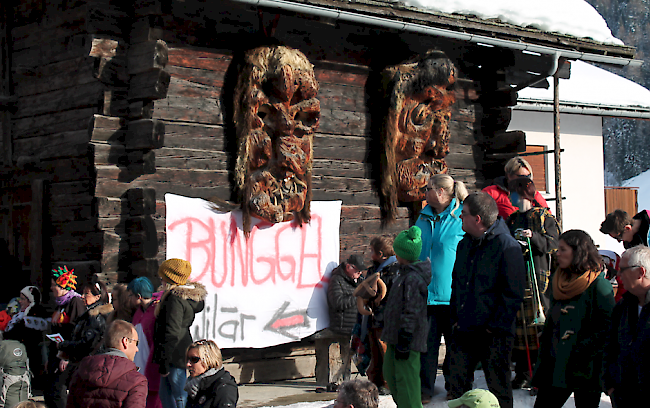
573	340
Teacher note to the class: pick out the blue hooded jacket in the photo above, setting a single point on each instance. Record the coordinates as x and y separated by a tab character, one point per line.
441	234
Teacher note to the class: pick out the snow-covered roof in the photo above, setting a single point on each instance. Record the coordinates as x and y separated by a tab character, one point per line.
573	17
642	182
591	90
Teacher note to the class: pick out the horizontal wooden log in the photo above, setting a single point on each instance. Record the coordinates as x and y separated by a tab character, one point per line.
58	24
149	85
108	129
109	154
147	268
55	170
79	212
200	59
52	77
68	227
77	247
194	136
183	109
370	226
76	97
364	212
71	200
147	56
110	207
213	79
52	50
72	187
29	151
145	134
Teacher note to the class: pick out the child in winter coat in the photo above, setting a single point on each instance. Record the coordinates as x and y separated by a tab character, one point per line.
405	320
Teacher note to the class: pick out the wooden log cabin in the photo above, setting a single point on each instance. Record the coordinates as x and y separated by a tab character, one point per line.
106	105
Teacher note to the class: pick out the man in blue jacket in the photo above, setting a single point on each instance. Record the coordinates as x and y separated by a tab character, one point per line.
487	290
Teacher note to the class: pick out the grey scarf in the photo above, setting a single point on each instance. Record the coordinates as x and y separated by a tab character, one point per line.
193	384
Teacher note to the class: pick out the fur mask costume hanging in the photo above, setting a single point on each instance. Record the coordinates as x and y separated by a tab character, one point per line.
276	114
416	128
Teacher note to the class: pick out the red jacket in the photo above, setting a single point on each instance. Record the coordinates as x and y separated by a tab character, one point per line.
107	381
502	196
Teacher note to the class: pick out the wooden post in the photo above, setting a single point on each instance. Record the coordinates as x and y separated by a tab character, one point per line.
556	153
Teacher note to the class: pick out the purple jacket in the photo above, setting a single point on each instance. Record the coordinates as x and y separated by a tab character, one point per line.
146	321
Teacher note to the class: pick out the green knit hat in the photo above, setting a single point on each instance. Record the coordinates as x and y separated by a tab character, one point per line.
408	244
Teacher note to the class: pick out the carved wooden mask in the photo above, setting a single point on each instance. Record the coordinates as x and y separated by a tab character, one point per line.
416	127
276	114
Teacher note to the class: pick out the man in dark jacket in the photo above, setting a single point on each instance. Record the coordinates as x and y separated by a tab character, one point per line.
111	379
342	307
627	355
487	290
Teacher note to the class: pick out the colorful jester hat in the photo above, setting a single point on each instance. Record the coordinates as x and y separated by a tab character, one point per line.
65	278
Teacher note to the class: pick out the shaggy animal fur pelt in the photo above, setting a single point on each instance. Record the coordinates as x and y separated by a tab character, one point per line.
416	127
276	114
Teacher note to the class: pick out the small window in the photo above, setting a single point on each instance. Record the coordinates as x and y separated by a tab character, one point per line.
538	163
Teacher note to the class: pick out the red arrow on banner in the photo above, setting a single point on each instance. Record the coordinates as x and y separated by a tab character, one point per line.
282	322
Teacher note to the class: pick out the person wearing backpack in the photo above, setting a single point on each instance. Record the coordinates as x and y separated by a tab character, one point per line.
15	377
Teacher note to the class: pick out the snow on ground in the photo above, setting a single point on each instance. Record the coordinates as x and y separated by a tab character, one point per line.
550	15
522	398
642	181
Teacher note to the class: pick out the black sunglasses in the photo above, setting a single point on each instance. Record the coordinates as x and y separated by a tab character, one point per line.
194	359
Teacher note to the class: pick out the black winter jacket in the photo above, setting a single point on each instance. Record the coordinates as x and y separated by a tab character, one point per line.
487	281
174	316
627	355
216	391
406	308
88	332
341	303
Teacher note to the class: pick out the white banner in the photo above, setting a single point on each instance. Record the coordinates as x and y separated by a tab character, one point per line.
265	290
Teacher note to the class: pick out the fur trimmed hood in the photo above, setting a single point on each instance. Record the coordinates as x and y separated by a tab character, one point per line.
102	309
194	291
190	291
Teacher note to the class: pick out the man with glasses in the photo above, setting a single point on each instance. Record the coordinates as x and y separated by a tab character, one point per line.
627	356
110	379
632	231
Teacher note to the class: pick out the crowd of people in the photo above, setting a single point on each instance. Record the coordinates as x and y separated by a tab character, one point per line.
491	272
130	349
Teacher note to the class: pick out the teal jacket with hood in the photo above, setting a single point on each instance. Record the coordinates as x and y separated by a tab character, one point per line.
441	234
